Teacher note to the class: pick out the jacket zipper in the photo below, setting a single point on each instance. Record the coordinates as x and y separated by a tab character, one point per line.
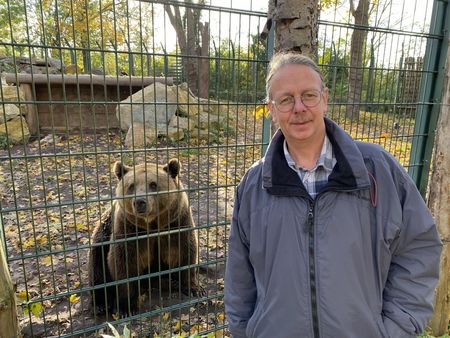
312	270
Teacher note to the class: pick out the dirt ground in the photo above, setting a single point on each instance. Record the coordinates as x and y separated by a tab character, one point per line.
54	190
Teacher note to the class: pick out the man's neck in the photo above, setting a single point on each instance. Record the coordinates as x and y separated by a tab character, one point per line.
306	154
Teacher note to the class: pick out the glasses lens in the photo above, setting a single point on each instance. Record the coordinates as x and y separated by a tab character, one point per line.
285	103
311	98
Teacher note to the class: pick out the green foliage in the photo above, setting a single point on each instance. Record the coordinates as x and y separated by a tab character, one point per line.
3	141
237	73
334	62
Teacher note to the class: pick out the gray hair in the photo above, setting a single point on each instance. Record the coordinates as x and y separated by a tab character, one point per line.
289	58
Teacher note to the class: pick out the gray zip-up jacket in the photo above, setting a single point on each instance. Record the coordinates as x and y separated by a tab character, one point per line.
361	260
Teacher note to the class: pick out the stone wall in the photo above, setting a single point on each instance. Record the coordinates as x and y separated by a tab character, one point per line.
13	126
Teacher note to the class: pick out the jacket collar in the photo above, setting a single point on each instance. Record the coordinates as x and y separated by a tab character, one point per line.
349	173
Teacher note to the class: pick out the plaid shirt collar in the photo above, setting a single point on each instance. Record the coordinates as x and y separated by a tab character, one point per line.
326	159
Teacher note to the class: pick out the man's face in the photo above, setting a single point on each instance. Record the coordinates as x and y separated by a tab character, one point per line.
300	125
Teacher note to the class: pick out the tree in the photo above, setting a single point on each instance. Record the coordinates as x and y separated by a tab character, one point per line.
356	71
8	316
193	40
296	25
438	202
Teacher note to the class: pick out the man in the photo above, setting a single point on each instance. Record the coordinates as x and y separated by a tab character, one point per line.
329	236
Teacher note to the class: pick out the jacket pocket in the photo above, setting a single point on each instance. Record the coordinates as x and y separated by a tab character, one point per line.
254	320
381	327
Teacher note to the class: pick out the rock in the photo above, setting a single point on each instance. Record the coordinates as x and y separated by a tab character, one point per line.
201	134
175	133
17	131
210	120
10	112
154	105
182	123
40	70
211	106
187	103
72	69
12	93
138	136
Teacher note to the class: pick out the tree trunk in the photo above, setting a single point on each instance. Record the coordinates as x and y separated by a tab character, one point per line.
8	316
438	202
204	62
296	28
296	25
355	74
193	40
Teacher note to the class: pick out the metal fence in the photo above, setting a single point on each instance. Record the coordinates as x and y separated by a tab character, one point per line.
86	84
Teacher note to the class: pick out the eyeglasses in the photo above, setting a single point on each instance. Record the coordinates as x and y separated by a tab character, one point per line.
310	99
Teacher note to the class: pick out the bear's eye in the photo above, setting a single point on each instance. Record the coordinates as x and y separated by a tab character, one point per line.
130	189
152	186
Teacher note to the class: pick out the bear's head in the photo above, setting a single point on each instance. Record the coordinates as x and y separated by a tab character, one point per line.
147	190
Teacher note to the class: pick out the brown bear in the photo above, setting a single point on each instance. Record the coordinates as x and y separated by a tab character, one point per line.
149	228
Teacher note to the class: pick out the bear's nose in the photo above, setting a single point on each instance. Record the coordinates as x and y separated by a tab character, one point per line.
140	205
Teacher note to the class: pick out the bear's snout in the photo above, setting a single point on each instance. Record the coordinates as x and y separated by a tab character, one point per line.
140	205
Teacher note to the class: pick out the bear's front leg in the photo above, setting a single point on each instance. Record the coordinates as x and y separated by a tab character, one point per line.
123	264
183	252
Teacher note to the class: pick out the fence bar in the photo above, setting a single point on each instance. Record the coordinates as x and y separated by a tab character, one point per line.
430	95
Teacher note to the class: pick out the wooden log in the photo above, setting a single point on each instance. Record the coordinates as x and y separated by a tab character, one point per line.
85	79
9	327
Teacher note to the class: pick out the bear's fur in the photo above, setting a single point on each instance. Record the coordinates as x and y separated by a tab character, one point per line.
149	200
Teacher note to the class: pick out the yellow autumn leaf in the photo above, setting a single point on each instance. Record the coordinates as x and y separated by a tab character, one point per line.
35	308
81	226
74	298
29	243
23	295
221	316
261	111
166	316
47	260
177	326
51	195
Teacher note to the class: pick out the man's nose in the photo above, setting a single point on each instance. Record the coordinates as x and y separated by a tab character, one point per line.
298	104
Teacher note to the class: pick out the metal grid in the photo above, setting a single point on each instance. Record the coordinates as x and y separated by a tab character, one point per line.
57	183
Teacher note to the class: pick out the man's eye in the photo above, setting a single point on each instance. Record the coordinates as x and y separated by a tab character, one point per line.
285	100
310	95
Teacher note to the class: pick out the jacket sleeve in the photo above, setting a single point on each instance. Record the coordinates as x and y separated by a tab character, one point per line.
240	289
414	270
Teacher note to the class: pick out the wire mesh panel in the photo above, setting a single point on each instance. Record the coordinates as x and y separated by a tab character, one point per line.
125	127
373	59
128	125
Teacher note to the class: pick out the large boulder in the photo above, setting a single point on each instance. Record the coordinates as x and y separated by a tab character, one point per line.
188	104
154	106
9	112
16	130
138	136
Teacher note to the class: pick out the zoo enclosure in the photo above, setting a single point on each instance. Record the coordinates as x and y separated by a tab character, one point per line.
57	182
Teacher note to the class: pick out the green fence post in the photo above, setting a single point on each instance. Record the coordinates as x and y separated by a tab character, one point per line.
267	120
430	95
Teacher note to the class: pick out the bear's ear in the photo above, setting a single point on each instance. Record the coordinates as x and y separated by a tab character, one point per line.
172	168
120	170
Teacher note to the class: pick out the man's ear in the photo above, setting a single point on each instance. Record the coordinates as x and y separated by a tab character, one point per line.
271	108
